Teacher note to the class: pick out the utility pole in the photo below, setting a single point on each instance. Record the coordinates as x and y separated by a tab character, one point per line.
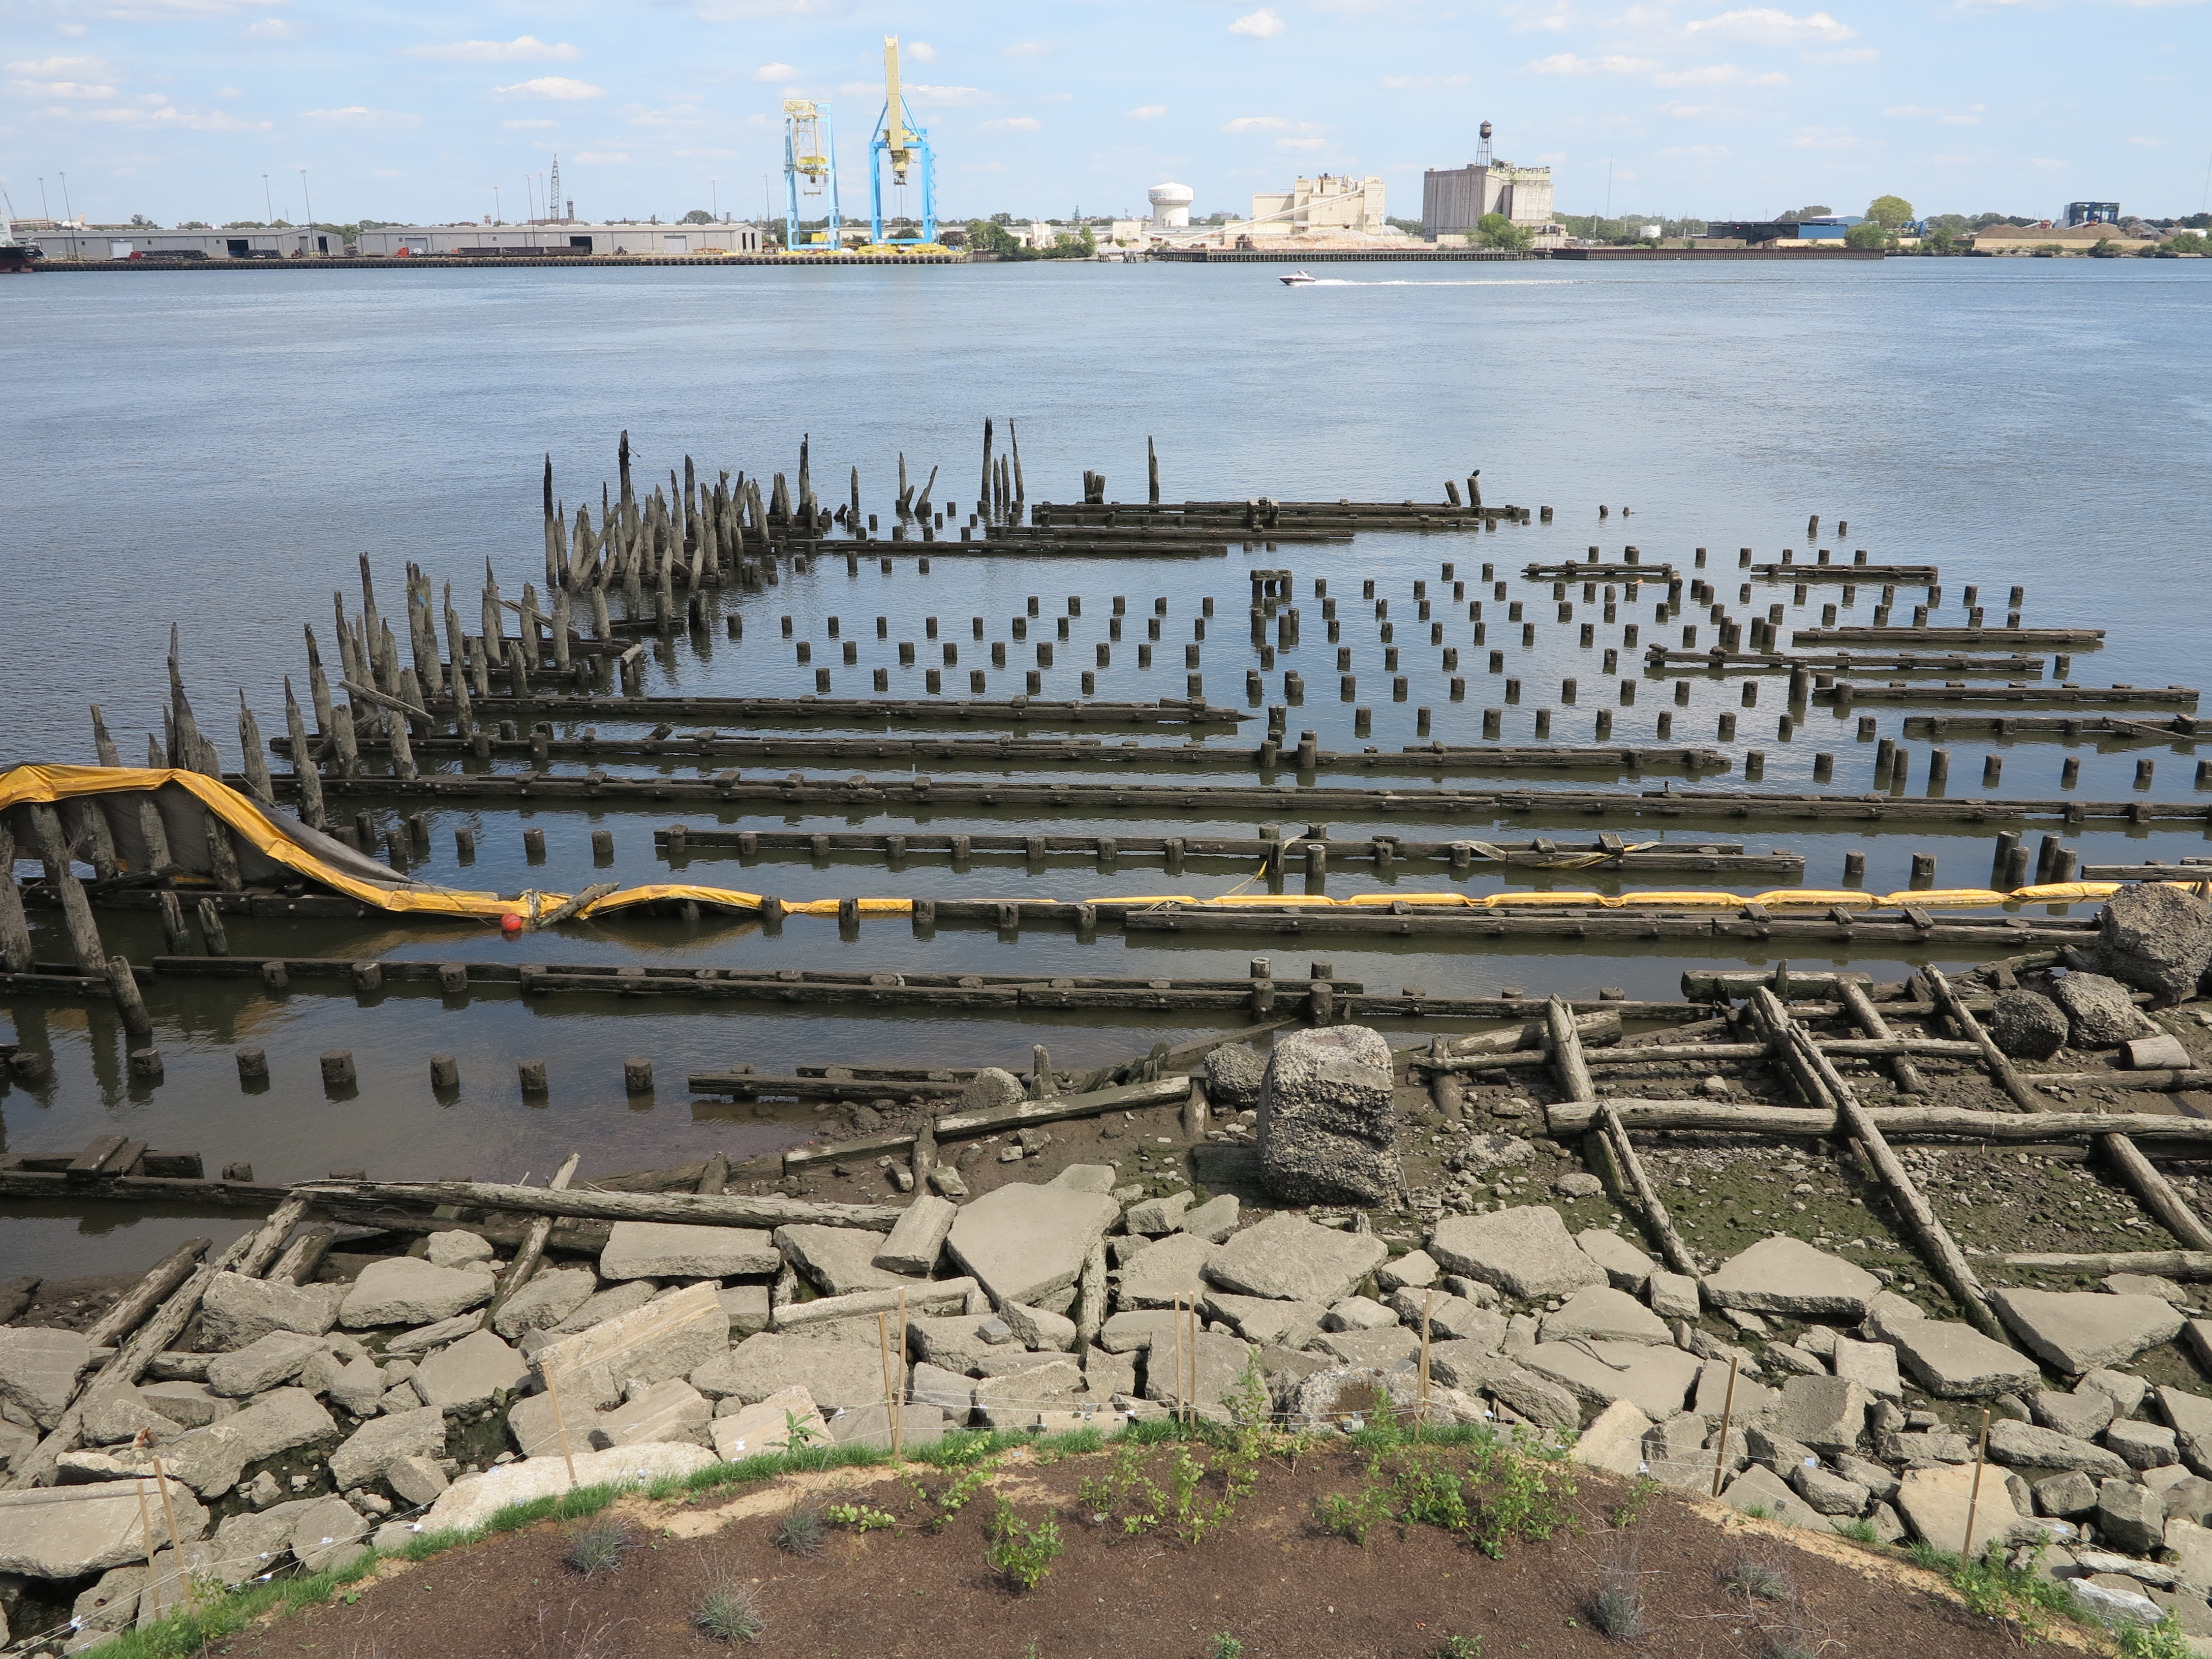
495	208
70	213
269	196
310	204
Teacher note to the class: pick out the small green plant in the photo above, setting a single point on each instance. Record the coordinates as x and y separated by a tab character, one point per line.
798	1434
1022	1553
861	1517
2001	1586
1922	1553
799	1532
731	1611
2164	1640
1355	1517
1225	1646
1460	1647
1755	1581
1616	1606
1629	1510
598	1545
1860	1531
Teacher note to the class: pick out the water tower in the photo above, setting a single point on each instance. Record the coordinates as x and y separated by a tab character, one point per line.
1171	205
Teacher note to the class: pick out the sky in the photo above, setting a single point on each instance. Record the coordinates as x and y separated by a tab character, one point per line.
405	110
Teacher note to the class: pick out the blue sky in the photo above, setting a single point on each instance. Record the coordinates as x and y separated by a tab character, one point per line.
406	111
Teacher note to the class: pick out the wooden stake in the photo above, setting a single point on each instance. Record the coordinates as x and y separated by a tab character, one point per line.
898	1408
1727	1414
883	1353
1974	1497
176	1544
1428	1301
1183	1402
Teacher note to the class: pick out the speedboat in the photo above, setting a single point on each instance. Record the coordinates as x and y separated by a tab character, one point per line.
1296	279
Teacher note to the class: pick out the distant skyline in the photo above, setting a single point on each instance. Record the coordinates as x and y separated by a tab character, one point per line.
177	108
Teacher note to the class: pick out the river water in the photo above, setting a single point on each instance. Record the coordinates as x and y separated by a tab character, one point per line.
215	450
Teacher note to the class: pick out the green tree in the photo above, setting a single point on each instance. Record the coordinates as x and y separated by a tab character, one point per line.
2187	242
698	216
1495	230
1814	212
1890	210
1939	241
990	236
1868	234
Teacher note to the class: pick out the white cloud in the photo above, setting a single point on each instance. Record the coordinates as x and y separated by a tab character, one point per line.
358	115
551	86
1013	124
603	157
526	124
1767	25
920	50
271	29
1260	25
1027	49
1841	55
2045	162
1147	111
775	73
2154	144
1301	144
1682	111
948	97
165	12
1824	139
74	67
166	116
522	48
1412	82
1551	157
1254	124
1719	75
1567	63
59	90
1555	19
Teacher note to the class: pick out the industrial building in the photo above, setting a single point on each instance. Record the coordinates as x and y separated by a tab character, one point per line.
1333	211
79	242
1455	200
583	241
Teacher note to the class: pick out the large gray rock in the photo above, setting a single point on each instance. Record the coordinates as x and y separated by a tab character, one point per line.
210	1460
1789	1276
2100	1009
1614	1441
1657	1380
1475	1369
611	1303
2130	1517
66	1532
1155	1218
1628	1268
404	1290
238	1310
2157	937
383	1441
1213	1220
188	1405
1265	1320
673	1410
328	1533
1382	1348
835	1373
1827	1414
2028	1026
917	1238
1328	1127
252	1541
1025	1244
116	1413
1451	1318
38	1369
1295	1260
2023	1445
549	1297
1760	1488
473	1371
2077	1331
1217	1363
839	1260
1525	1252
667	1250
1954	1361
668	1337
1935	1504
1602	1314
954	1342
990	1089
1339	1396
1872	1365
262	1364
1165	1274
1234	1075
2082	1413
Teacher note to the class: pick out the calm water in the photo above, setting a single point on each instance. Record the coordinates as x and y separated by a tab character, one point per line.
215	450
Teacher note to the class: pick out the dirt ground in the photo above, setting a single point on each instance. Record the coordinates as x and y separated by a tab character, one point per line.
1272	1580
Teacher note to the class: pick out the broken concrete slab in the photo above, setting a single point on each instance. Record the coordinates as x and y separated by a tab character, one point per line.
382	1441
1784	1275
1025	1243
236	1310
67	1532
262	1364
1155	1218
1165	1274
1603	1314
1614	1441
1658	1380
1213	1220
839	1260
672	1410
1415	1270
38	1369
1264	1320
405	1289
669	1249
328	1535
1289	1257
1475	1369
611	1303
917	1238
2129	1517
1827	1414
2190	1417
1217	1363
1034	1327
1758	1490
1674	1295
834	1374
1451	1318
473	1371
189	1405
919	1425
1934	1503
474	1500
209	1459
1954	1361
549	1297
2023	1445
1380	1348
1872	1365
856	1311
1328	1126
2078	1331
1525	1252
1627	1267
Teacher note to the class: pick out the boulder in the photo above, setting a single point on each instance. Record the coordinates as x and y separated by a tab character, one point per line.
115	1413
38	1369
1328	1127
2157	937
1789	1276
1954	1361
416	1481
1675	1454
1135	1331
2130	1517
1758	1488
1079	1177
456	1248
474	1500
991	1089
1415	1270
1602	1314
1934	1503
1359	1313
833	1373
1379	1348
2077	1331
1451	1318
2023	1445
2143	1446
1674	1296
1234	1074
667	1250
2191	1416
356	1386
1614	1441
748	1307
1344	1396
1025	1243
917	1238
1658	1380
2101	1013
1627	1267
1828	1492
1827	1414
954	1341
548	1298
1471	1367
67	1532
1213	1220
252	1541
1155	1218
2028	1026
672	1337
262	1364
381	1442
328	1535
405	1289
949	1391
1010	1400
786	1418
237	1311
2070	1493
1525	1252
1035	1328
1289	1257
2082	1413
1264	1320
1872	1365
473	1371
1168	1273
2113	1604
840	1261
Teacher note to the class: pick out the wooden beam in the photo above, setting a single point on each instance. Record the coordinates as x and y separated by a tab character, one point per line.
1575	1117
730	1210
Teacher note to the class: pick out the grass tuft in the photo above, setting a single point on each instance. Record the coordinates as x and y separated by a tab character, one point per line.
1616	1606
1460	1647
731	1611
597	1545
1755	1581
1225	1646
799	1532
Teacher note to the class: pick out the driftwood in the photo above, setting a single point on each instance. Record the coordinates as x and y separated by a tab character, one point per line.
128	1313
1575	1117
730	1210
1596	1030
1868	1019
1171	1090
533	1249
1994	1060
1698	1053
2167	1264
